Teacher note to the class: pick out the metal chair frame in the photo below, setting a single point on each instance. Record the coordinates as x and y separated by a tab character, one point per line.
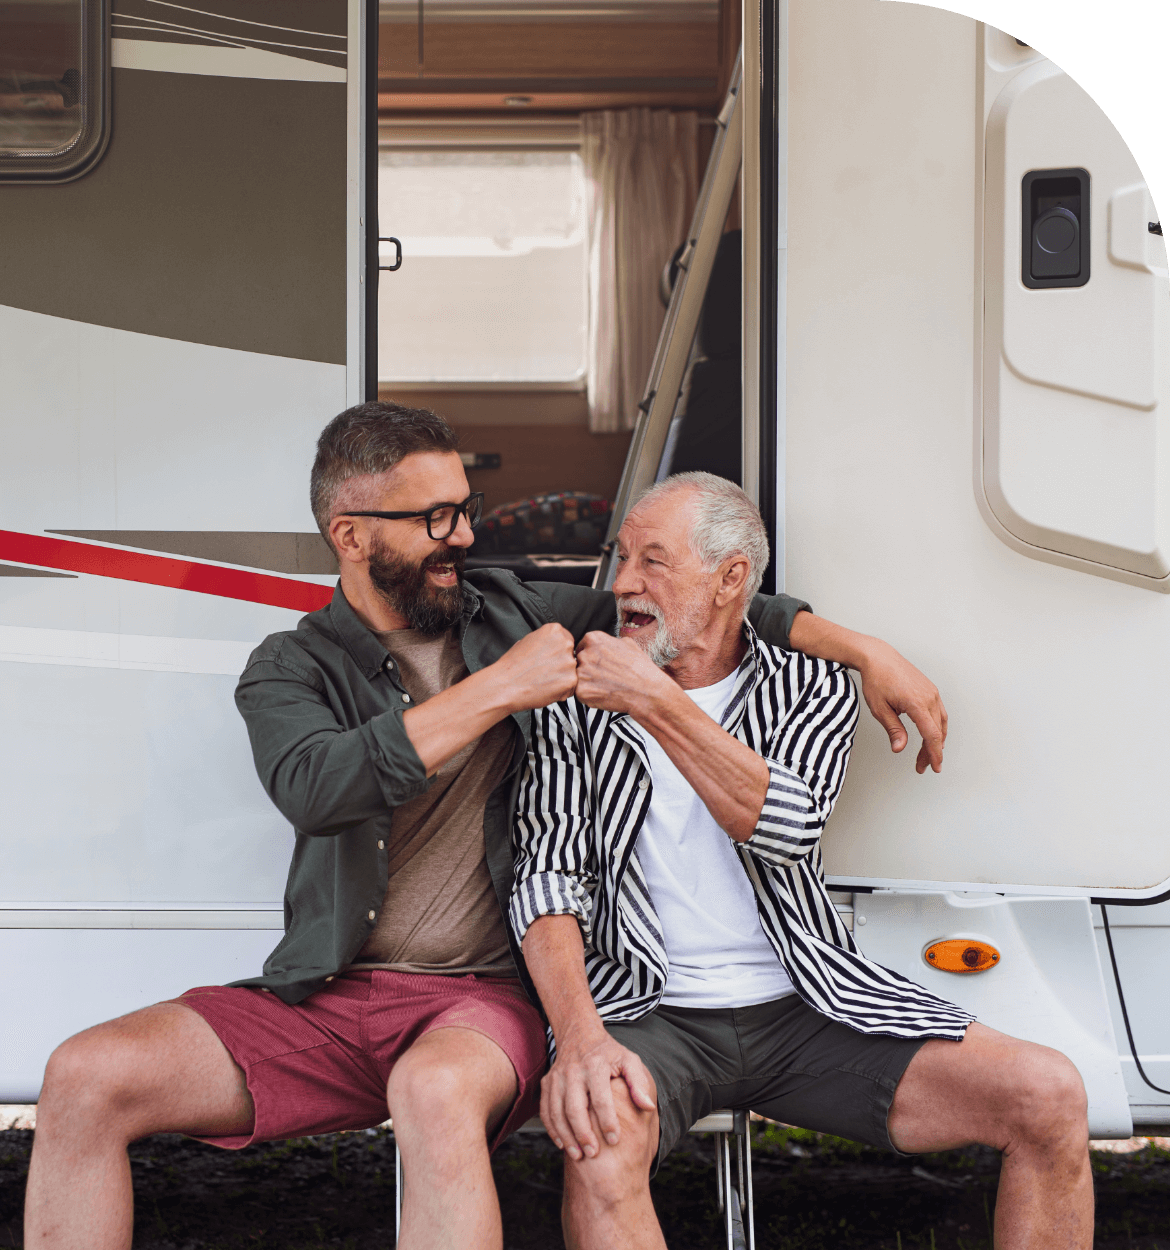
735	1201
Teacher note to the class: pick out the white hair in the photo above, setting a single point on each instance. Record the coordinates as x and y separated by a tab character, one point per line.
724	523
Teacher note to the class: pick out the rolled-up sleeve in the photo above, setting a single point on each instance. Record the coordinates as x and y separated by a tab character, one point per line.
806	761
771	616
552	833
322	777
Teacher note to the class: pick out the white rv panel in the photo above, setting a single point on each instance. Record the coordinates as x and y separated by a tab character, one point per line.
108	429
1056	682
1047	986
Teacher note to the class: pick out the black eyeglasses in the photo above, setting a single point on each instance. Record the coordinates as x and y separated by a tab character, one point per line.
441	519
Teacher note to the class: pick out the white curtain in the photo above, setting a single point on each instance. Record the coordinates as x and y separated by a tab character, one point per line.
642	178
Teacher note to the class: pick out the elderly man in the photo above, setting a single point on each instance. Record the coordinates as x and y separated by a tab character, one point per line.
671	906
389	728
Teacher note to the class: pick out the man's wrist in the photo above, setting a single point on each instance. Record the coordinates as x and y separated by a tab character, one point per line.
659	702
495	691
583	1032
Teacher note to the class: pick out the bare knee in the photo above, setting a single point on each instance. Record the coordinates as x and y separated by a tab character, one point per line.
89	1081
426	1093
617	1174
1049	1107
110	1078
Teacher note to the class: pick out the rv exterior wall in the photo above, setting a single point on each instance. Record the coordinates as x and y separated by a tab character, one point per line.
1055	679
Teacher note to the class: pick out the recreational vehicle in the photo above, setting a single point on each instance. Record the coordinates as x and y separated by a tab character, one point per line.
948	380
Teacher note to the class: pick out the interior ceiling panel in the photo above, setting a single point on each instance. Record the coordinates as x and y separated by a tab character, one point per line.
581	54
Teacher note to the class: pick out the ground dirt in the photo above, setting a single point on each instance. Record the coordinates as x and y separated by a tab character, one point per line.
812	1193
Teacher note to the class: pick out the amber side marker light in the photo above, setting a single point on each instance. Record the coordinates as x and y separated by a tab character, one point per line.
961	955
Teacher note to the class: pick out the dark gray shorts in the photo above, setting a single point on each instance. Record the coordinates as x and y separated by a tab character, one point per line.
781	1059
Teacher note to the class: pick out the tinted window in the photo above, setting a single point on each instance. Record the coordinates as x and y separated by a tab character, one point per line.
52	88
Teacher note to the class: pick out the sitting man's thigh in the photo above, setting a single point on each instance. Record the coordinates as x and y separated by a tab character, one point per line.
158	1069
989	1088
781	1059
802	1068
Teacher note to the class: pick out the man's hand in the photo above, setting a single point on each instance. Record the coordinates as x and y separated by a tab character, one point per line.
892	686
616	674
539	669
576	1102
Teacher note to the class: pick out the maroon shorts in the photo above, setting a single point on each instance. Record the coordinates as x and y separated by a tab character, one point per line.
322	1065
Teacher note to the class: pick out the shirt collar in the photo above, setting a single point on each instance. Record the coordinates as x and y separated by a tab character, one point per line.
364	645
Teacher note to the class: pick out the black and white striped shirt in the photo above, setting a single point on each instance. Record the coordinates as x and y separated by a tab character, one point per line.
586	791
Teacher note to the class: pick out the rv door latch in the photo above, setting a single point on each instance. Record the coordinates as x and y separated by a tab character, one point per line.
389	238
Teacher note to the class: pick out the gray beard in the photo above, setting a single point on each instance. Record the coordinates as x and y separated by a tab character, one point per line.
663	648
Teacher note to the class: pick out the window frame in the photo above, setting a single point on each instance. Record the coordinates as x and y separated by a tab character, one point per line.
79	157
439	134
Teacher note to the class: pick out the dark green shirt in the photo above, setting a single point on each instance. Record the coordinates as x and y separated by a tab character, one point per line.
324	704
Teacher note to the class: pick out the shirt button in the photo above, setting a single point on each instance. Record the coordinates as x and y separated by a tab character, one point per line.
644	784
381	845
370	914
406	698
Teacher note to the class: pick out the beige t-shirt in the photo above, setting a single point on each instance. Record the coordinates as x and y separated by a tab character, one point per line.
440	913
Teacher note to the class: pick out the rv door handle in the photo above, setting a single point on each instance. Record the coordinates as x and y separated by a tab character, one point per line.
397	253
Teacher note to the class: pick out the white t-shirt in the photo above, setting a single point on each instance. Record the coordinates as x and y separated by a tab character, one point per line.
719	956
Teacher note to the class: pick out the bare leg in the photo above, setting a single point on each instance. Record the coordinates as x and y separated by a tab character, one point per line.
1023	1099
157	1070
607	1203
450	1090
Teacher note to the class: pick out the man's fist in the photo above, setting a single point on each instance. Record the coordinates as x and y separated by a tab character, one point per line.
615	673
540	669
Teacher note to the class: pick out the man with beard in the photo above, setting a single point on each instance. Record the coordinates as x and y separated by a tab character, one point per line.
390	728
674	919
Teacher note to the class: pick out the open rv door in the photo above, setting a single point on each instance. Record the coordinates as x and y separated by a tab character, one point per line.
183	303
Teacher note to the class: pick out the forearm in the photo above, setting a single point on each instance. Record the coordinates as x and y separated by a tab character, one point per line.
730	778
554	953
442	726
813	635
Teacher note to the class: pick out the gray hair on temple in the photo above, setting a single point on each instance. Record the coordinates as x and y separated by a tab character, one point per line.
725	523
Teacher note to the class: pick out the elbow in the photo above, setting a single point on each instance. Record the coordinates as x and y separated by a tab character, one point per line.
742	828
315	810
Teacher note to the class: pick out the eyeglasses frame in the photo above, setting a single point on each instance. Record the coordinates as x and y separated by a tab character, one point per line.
461	509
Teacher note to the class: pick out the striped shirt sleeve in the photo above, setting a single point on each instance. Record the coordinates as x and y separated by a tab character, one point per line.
806	757
556	870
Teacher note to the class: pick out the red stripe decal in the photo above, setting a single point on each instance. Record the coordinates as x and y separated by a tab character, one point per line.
139	566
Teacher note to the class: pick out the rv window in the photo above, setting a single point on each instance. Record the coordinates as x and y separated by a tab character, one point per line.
493	280
52	88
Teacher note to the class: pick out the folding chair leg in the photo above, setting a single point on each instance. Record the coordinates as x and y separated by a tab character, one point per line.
750	1213
397	1192
746	1239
